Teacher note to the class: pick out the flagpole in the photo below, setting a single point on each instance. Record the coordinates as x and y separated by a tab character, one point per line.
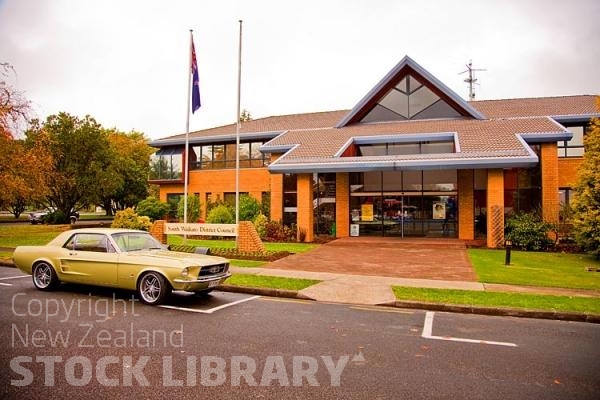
237	137
187	134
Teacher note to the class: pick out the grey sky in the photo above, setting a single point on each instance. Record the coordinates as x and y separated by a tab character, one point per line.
126	62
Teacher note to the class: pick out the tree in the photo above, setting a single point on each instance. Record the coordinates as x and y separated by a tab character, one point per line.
23	171
193	208
14	108
128	170
245	116
153	208
249	207
586	205
81	157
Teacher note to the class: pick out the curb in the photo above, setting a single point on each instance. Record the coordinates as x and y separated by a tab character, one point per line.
500	312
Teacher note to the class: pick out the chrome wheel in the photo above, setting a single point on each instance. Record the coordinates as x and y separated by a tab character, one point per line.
153	288
44	277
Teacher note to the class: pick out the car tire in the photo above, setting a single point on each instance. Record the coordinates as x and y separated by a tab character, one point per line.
153	288
44	277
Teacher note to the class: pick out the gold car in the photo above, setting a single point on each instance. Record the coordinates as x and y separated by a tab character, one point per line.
120	258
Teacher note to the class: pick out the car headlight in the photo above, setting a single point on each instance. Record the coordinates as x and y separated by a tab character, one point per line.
185	272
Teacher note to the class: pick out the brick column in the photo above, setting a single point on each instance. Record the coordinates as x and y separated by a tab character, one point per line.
495	208
248	239
158	231
342	204
466	206
549	171
305	206
276	194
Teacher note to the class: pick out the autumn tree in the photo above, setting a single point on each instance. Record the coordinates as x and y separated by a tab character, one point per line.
14	108
81	156
586	205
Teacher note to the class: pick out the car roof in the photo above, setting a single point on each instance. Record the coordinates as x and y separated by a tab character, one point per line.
62	237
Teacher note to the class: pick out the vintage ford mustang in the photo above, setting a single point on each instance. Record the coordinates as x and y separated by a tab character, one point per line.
120	258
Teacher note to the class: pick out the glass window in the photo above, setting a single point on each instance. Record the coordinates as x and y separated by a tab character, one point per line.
412	180
437	147
372	150
440	180
166	164
420	100
397	149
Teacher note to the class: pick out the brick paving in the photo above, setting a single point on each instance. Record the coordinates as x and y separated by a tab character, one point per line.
439	259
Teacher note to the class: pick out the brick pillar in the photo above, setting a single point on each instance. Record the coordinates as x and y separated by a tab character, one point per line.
342	204
158	231
248	239
549	170
276	194
466	206
305	206
495	208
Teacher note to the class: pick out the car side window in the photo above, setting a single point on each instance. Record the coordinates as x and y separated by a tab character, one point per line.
90	242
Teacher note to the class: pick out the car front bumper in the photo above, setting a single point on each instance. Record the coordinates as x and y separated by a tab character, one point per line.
199	284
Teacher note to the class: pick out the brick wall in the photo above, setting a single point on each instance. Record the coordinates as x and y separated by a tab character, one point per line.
305	206
495	208
466	211
549	166
248	239
567	171
342	204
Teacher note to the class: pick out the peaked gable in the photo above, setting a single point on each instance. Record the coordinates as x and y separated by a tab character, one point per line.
409	92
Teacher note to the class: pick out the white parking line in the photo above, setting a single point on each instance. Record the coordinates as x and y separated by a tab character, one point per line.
15	277
5	284
428	329
210	310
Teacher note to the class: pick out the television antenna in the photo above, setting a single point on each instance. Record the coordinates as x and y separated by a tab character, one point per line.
471	80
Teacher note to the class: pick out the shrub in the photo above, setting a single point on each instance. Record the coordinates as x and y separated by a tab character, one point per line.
153	208
277	232
55	218
129	219
193	208
260	223
528	232
221	214
249	208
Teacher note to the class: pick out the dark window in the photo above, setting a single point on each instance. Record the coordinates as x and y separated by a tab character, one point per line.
166	164
221	156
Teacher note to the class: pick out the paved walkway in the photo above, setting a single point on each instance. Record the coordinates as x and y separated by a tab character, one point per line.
439	259
363	270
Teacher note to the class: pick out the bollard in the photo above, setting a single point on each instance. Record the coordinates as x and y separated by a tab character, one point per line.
507	247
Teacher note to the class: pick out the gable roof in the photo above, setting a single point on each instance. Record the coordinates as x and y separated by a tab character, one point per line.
407	67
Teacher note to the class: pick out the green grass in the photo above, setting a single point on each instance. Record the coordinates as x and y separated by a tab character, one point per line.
271	282
230	244
28	235
245	263
536	269
497	299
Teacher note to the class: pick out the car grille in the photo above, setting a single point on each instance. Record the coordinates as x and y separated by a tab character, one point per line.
214	269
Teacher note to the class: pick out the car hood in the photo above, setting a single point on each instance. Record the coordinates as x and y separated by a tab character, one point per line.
174	258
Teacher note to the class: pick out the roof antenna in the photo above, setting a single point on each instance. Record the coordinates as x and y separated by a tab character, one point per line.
471	80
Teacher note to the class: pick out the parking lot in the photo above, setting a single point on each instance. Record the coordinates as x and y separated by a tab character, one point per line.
82	339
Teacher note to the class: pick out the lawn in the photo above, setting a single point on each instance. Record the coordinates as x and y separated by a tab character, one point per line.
230	244
29	235
497	299
272	282
536	269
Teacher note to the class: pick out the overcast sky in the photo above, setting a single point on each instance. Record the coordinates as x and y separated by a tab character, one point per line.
126	62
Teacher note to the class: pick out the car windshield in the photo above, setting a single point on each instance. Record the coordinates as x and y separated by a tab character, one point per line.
135	241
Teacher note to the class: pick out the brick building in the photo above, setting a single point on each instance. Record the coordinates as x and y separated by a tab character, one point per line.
412	158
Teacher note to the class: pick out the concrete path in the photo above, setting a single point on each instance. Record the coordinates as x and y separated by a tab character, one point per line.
361	289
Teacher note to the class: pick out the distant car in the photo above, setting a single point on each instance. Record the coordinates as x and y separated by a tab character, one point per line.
120	258
37	217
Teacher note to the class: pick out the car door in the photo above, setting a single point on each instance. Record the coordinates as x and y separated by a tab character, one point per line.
91	259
